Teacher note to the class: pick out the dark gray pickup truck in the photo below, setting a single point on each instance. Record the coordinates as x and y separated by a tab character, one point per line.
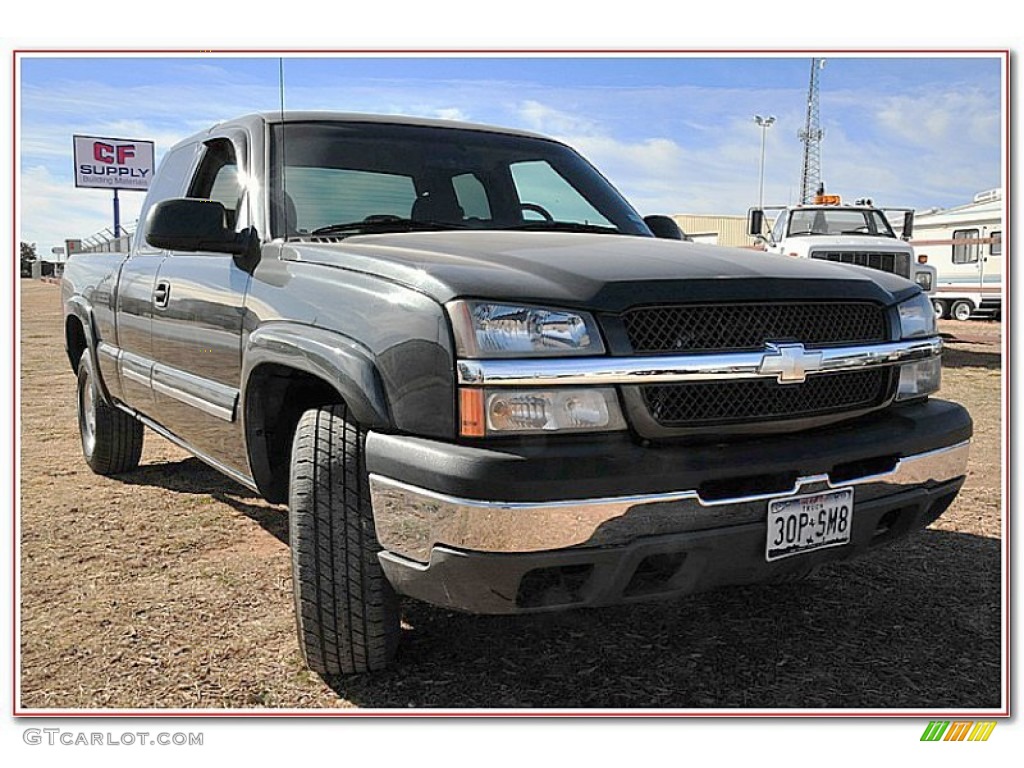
479	378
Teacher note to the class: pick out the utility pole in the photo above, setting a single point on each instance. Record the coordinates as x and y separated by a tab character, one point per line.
765	123
811	135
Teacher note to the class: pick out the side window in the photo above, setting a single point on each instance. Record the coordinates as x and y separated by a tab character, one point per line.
995	248
538	184
965	253
217	179
169	182
472	196
802	222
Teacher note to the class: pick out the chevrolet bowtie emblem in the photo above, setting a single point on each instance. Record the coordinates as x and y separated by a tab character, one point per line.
789	362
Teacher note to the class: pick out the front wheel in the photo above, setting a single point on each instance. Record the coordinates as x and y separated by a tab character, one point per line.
941	310
346	611
961	310
111	438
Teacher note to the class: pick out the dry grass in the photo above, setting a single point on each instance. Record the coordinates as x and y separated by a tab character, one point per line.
170	588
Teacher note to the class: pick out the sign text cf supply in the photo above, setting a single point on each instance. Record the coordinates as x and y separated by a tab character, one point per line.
102	163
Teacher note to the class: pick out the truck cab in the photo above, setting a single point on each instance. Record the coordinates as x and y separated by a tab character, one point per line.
858	234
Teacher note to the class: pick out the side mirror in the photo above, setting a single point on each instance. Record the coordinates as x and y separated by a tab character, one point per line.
755	223
193	225
664	227
908	225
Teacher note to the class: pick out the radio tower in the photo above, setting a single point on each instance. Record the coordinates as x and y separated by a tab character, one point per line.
811	135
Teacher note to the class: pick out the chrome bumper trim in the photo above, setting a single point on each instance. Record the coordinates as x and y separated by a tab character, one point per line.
541	372
410	521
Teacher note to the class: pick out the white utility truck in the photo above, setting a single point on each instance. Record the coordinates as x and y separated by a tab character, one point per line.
858	234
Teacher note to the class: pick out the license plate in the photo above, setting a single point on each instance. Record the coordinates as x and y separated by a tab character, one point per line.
799	524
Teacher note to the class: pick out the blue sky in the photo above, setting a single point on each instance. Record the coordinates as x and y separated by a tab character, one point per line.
674	133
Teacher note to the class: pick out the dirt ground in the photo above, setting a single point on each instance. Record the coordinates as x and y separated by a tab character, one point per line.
171	588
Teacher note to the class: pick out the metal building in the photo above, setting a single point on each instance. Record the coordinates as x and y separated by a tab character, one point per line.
717	230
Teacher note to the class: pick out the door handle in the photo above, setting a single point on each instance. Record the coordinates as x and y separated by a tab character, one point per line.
162	294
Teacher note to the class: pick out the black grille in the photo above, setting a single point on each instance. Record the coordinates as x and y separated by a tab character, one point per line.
703	328
885	262
722	402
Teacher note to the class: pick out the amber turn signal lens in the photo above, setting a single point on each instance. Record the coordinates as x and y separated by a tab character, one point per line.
471	412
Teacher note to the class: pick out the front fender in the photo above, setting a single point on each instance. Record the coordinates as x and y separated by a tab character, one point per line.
336	359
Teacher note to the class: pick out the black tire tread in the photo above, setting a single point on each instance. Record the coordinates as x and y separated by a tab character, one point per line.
119	436
347	614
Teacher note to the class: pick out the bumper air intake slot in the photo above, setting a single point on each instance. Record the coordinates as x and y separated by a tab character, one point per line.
560	585
655	573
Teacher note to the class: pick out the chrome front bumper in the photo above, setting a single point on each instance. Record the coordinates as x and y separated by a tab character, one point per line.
411	521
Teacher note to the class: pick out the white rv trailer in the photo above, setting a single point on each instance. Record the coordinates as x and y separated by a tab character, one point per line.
965	245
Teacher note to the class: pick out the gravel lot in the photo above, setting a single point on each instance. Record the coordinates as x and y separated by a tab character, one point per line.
171	588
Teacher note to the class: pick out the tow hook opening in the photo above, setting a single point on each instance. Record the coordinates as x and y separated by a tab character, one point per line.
655	573
893	523
560	585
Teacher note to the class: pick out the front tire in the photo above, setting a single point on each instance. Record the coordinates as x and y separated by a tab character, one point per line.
941	310
111	438
346	611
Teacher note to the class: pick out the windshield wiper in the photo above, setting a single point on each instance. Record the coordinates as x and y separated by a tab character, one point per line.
862	232
385	224
565	226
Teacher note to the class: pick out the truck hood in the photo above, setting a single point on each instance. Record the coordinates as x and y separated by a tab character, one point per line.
603	272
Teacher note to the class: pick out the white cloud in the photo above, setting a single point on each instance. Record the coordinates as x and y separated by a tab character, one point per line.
936	117
450	113
53	210
546	119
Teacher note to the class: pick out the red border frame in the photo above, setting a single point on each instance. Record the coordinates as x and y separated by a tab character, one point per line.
573	713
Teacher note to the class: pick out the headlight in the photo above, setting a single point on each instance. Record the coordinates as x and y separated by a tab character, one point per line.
485	329
917	317
485	412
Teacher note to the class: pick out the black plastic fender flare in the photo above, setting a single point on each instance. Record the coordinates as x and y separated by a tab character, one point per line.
339	361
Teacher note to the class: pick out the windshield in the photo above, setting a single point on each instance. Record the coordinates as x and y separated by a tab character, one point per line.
353	178
838	221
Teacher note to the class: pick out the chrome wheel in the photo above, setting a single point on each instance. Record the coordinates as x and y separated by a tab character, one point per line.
87	413
961	310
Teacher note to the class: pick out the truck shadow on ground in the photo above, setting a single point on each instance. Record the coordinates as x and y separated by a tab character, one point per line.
191	476
915	625
968	358
984	352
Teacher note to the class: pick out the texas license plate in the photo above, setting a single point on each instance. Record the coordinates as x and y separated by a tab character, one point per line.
799	524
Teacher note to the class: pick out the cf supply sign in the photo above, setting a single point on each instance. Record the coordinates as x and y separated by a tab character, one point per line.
113	163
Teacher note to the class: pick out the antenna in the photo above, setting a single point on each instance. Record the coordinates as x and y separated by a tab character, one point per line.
811	135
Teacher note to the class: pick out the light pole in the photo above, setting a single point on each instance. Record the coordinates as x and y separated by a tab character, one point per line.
765	123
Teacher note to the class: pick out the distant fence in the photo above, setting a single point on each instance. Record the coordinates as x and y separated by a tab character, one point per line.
106	241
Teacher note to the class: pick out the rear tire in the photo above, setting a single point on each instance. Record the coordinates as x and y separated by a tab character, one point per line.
111	438
346	612
961	310
941	309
